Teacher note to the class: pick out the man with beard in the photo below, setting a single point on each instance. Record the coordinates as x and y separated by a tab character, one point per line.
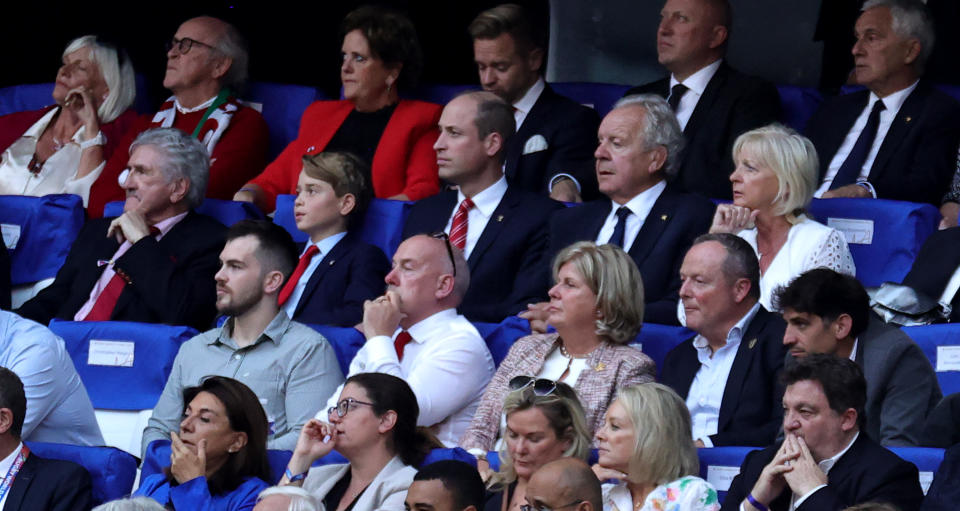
288	365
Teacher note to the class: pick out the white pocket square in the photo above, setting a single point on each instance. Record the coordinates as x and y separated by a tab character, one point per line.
534	144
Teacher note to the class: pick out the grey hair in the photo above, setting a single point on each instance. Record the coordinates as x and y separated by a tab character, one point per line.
911	19
131	504
232	44
791	157
185	156
116	70
300	499
660	128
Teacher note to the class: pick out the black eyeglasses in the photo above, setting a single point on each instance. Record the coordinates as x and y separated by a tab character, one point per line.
446	239
541	386
543	507
184	45
345	406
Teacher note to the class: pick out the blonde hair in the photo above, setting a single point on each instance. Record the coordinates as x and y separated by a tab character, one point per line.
664	448
792	158
613	276
116	70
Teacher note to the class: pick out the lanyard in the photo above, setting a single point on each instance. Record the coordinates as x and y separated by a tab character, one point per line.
221	99
13	471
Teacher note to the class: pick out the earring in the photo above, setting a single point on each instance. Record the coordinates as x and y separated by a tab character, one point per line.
389	86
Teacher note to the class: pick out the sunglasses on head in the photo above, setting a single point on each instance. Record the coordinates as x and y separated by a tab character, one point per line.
541	386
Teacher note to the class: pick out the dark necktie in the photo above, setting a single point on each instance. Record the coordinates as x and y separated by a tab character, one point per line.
853	165
291	284
620	230
403	338
676	94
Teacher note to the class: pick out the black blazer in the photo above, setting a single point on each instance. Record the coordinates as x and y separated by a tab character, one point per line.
937	260
750	411
918	156
507	259
669	230
570	131
50	485
865	473
350	273
731	104
170	281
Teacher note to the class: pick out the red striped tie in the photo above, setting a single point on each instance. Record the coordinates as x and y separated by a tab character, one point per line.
458	229
291	284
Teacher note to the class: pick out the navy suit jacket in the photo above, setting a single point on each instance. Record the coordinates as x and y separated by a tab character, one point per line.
865	473
570	132
750	411
350	273
732	104
669	230
169	281
918	156
50	485
931	271
506	262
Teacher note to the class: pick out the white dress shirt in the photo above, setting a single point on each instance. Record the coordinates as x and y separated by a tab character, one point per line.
447	364
5	465
523	105
706	391
640	206
325	246
892	104
696	85
484	204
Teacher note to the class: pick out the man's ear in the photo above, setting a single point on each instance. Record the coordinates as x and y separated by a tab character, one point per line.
445	285
492	144
848	420
718	36
535	59
6	420
221	67
842	326
658	160
180	188
347	203
741	289
272	282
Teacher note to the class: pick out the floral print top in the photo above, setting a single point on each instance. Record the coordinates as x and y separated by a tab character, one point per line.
689	493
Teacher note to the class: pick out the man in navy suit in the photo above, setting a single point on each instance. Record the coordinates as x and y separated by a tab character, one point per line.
826	461
898	139
727	373
555	136
503	231
30	482
714	102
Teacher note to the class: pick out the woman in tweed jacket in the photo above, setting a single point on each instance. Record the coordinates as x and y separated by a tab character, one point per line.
596	307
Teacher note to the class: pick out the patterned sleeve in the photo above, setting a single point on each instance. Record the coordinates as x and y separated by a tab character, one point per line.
685	494
834	254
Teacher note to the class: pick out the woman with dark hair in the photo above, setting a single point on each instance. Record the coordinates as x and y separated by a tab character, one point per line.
219	459
374	426
395	137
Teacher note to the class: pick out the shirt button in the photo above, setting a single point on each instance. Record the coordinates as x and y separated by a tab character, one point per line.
237	356
703	401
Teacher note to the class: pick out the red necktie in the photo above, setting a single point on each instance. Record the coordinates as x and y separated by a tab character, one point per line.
107	301
291	284
403	338
458	229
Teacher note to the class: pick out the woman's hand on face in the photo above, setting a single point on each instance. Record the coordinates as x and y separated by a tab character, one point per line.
316	440
80	104
185	465
733	219
604	473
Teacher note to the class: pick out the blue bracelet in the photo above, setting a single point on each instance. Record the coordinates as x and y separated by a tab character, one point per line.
299	477
756	503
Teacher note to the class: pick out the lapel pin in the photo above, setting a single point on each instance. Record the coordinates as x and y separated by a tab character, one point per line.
499	218
908	119
663	217
311	148
331	262
753	342
600	366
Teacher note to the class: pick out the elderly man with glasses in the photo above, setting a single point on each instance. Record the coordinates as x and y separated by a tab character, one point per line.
206	68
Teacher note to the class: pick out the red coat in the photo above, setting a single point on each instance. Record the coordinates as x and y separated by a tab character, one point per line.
405	161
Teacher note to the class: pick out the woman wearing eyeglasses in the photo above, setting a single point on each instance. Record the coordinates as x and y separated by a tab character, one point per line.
645	442
374	426
596	307
62	148
544	422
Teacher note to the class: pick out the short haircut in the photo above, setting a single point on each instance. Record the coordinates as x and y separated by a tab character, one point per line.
576	480
116	70
345	173
185	157
741	261
460	479
663	445
724	13
612	275
131	504
792	158
12	396
660	128
841	379
510	19
911	20
494	115
300	499
233	45
276	249
392	38
828	294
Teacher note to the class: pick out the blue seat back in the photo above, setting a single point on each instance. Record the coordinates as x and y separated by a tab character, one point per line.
493	458
438	93
598	96
719	465
346	342
798	103
44	229
657	340
112	471
130	384
282	107
941	344
501	336
927	460
34	96
157	457
884	235
227	212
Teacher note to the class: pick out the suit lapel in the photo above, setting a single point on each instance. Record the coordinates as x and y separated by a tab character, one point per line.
531	123
653	226
689	365
741	364
18	491
899	131
329	260
843	115
498	220
709	96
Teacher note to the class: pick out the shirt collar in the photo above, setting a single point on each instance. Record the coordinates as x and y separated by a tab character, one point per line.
431	326
643	202
697	82
525	104
167	223
326	244
735	335
7	462
894	101
853	351
274	331
487	200
828	463
40	126
202	106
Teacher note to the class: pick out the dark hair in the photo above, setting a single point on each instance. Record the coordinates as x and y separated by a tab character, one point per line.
387	392
460	479
392	38
512	20
741	262
276	250
345	173
245	415
841	379
12	396
827	294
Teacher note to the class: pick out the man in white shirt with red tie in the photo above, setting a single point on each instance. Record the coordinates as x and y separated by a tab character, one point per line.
414	332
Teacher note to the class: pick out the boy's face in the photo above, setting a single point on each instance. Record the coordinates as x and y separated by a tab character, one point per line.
317	210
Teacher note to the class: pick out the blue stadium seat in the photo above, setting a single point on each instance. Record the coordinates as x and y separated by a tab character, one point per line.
884	235
440	94
598	96
346	343
157	457
798	103
382	225
282	106
950	90
39	232
927	460
941	344
500	336
657	340
719	465
34	96
493	458
227	212
112	471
